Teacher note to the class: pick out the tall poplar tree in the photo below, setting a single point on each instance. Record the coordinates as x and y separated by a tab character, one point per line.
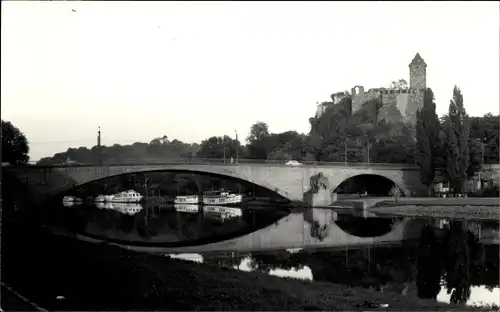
427	133
457	147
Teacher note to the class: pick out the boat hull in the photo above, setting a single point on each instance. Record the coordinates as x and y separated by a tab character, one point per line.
99	199
181	200
126	200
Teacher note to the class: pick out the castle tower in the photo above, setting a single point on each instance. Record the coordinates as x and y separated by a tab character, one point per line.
418	73
418	85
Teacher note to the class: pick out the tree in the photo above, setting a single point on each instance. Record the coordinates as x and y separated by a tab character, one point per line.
395	149
427	134
257	141
328	132
156	151
258	131
218	147
457	147
399	84
286	145
484	131
475	154
15	147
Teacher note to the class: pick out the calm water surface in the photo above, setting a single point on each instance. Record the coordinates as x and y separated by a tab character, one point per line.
162	225
421	257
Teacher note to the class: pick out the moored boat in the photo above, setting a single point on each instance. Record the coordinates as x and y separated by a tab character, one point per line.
71	199
221	197
129	196
100	199
104	198
187	199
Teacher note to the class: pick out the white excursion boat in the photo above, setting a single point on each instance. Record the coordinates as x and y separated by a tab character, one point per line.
221	197
187	199
129	196
190	208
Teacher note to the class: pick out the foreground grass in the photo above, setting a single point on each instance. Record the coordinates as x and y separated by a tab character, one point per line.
102	277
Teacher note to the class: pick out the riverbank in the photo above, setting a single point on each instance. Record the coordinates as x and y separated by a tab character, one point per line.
90	276
377	202
453	208
448	201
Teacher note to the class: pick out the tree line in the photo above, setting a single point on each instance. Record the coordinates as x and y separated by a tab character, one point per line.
455	141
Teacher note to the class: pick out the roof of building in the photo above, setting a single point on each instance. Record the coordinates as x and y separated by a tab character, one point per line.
417	60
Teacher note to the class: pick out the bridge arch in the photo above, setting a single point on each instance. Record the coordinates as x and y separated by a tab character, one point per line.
226	174
405	191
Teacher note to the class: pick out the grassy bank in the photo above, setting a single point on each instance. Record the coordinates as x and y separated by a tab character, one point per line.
451	201
102	277
453	208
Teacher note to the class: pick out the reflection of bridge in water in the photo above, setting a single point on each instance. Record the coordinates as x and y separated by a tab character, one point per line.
309	228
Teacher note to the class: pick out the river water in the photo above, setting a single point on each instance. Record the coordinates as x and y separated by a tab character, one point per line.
384	252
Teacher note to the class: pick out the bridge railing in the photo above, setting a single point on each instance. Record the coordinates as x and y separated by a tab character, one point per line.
222	162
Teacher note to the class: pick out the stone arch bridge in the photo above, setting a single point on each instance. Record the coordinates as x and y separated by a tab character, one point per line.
292	183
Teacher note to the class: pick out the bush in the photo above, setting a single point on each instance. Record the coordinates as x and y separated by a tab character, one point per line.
491	192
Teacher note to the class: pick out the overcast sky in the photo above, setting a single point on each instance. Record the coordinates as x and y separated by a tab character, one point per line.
192	70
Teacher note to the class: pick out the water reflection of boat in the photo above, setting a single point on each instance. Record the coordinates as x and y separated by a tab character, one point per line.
221	197
126	208
71	203
187	208
187	199
221	212
71	199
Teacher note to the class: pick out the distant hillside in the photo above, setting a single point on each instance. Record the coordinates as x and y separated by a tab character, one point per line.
159	149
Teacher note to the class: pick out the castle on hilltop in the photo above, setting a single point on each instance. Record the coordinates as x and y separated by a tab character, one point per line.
398	104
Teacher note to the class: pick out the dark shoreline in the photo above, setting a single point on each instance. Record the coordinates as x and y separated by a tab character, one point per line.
103	277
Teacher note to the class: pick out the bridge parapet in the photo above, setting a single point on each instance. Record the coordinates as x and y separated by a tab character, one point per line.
218	161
